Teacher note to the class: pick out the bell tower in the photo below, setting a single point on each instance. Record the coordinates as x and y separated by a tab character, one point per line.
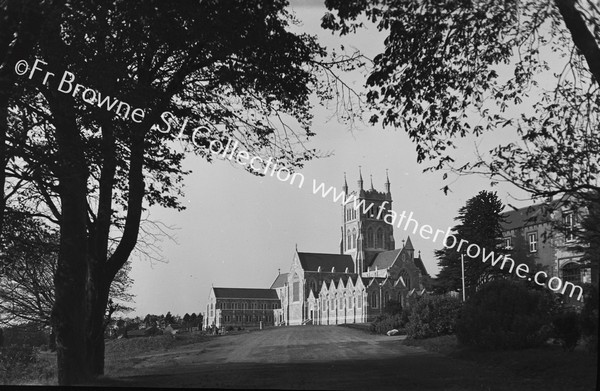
364	232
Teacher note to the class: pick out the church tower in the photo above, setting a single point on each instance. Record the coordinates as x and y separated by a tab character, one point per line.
364	232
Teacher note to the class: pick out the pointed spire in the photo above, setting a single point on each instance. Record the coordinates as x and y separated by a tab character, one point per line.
360	179
372	187
409	245
387	182
345	187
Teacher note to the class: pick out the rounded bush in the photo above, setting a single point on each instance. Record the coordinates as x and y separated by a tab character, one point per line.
432	316
566	329
505	314
386	322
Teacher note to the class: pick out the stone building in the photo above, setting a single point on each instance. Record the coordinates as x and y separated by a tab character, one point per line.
543	235
241	307
350	287
355	285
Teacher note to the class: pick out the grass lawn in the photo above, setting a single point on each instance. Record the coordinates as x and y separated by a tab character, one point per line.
119	351
549	366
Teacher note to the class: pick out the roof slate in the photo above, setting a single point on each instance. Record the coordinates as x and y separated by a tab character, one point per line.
419	263
279	281
530	215
312	261
385	259
245	293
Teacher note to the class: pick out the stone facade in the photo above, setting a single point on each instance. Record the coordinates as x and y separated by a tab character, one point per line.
241	307
355	285
543	235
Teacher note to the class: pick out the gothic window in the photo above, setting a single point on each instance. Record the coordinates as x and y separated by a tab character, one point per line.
348	240
351	302
296	289
359	300
406	278
374	300
387	298
370	237
379	238
354	238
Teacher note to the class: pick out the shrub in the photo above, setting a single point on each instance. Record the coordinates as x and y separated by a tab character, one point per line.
229	328
14	361
589	318
432	316
566	329
505	314
384	323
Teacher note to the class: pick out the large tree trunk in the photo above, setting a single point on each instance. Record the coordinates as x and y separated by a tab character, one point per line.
3	153
582	37
98	291
69	311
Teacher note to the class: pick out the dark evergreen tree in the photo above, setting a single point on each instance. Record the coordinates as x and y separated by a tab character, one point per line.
479	223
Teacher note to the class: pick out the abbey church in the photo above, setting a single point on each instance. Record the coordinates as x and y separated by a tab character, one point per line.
326	289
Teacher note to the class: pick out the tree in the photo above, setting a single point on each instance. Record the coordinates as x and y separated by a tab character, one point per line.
233	71
479	223
587	233
28	261
451	69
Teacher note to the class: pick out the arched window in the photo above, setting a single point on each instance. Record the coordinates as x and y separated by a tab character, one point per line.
387	298
359	300
369	237
354	238
379	238
571	272
406	278
348	240
374	300
296	288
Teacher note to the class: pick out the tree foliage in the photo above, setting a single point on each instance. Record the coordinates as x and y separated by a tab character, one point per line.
232	70
479	223
28	262
527	69
505	314
433	316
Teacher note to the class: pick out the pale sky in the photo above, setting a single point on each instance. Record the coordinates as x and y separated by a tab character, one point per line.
239	229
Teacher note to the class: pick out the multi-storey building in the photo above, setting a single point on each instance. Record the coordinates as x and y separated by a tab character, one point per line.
355	285
241	307
544	235
350	287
